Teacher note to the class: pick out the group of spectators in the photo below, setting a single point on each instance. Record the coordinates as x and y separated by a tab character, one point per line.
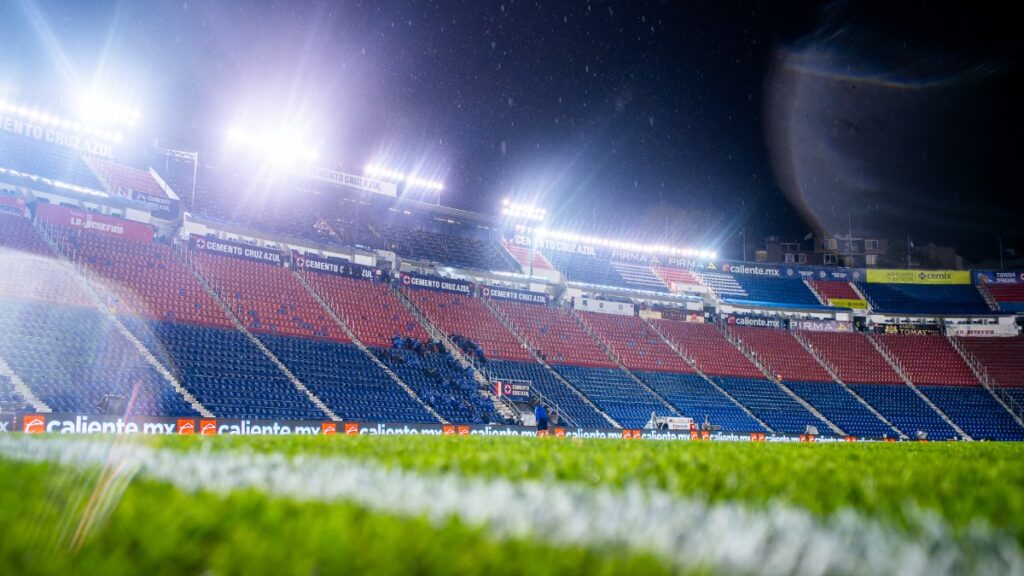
469	348
420	348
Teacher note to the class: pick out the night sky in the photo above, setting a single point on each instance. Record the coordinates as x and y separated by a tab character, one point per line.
679	121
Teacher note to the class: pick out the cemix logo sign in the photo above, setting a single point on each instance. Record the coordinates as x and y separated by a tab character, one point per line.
207	427
329	428
33	423
351	428
186	426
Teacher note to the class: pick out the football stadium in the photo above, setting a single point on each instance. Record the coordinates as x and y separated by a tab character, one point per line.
249	345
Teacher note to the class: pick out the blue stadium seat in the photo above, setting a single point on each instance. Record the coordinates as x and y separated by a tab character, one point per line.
698	399
901	406
440	382
553	390
773	406
839	406
615	393
975	411
925	298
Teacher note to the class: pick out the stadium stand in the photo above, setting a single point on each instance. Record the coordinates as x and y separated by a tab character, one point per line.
841	408
39	158
1001	358
122	180
905	409
370	309
468	316
724	286
229	375
10	399
275	304
553	391
707	346
696	398
975	411
781	353
453	246
1009	297
670	276
346	380
600	272
554	334
923	298
72	358
928	360
147	279
636	345
522	255
773	406
440	382
615	393
852	357
828	289
779	291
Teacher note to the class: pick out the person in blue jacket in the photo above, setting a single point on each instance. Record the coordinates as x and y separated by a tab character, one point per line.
541	415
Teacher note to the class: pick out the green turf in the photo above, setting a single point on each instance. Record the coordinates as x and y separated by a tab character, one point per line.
154	528
961	482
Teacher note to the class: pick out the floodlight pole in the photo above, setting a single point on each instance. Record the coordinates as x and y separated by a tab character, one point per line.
184	155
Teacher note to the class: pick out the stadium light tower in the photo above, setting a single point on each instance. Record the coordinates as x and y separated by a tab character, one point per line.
531	215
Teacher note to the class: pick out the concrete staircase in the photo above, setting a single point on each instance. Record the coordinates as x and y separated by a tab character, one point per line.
533	352
906	380
696	368
362	347
484	383
22	388
771	377
618	362
90	283
835	376
1005	400
256	341
821	299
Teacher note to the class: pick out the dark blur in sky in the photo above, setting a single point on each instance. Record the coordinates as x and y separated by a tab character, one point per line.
783	117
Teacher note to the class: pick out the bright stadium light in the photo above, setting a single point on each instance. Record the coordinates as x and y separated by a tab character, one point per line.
98	109
43	118
523	211
614	244
410	180
282	147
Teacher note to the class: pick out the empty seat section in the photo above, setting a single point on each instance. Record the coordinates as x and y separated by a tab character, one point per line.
586	269
637	346
72	358
18	235
1001	358
781	353
696	398
551	389
724	286
837	404
1009	297
828	289
346	380
370	309
451	244
780	291
468	316
905	409
123	180
924	298
266	298
928	360
707	346
524	255
30	271
852	357
146	279
440	382
614	392
554	333
639	276
229	375
773	406
39	158
671	276
975	411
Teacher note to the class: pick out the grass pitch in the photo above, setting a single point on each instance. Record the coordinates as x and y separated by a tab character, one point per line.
169	511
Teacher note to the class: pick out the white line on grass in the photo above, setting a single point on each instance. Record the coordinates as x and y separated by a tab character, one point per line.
777	539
